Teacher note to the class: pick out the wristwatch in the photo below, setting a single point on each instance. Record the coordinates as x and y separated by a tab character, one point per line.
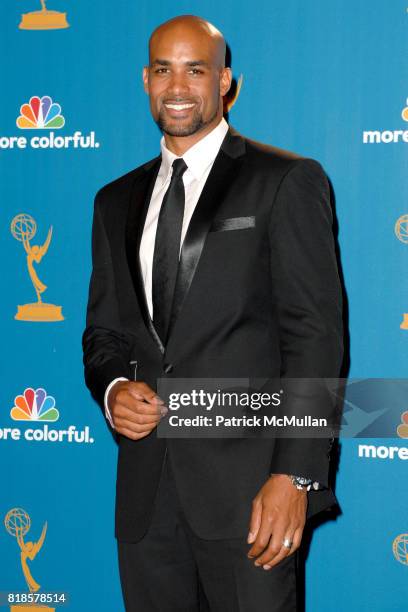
302	483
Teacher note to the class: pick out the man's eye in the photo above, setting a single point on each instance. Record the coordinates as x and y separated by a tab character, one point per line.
160	70
196	71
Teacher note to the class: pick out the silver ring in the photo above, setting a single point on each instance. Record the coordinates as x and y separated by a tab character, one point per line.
287	543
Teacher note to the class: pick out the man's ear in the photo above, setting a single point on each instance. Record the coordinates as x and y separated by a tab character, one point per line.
225	80
146	79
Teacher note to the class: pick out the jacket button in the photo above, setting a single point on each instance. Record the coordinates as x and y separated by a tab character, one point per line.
167	368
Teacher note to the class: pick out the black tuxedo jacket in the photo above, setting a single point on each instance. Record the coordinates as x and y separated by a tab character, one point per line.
257	295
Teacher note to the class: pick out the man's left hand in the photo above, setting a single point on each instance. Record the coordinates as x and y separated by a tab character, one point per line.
278	513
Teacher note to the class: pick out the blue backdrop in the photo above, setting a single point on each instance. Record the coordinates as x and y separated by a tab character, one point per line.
317	77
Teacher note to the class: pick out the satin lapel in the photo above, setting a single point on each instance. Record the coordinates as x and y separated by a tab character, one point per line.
222	174
138	206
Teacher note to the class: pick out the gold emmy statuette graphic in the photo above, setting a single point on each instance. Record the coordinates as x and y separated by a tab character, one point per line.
23	229
18	523
43	20
401	232
400	548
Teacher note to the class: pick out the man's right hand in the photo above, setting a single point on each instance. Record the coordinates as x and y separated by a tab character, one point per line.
135	408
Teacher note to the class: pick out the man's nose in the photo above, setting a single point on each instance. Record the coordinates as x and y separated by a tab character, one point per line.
178	85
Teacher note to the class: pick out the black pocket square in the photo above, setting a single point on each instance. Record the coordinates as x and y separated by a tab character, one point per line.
232	223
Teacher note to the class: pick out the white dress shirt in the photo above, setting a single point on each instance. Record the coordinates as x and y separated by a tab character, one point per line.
199	159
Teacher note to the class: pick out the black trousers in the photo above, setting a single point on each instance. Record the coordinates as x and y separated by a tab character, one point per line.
171	569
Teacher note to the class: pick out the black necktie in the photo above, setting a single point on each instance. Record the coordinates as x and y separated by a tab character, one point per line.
167	249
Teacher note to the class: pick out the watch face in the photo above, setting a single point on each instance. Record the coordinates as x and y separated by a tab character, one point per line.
301	481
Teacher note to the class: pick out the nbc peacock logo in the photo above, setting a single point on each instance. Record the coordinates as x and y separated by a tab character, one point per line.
43	116
34	413
34	405
40	114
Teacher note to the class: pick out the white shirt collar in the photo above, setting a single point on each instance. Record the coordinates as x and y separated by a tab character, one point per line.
199	156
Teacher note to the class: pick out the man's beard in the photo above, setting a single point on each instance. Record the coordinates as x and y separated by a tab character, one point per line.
196	124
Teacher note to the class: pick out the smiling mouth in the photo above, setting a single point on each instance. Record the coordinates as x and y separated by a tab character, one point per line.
179	106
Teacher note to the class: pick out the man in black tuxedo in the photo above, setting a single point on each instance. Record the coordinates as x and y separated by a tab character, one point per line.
215	259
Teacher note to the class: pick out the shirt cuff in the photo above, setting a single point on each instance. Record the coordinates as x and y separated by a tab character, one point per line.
105	400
